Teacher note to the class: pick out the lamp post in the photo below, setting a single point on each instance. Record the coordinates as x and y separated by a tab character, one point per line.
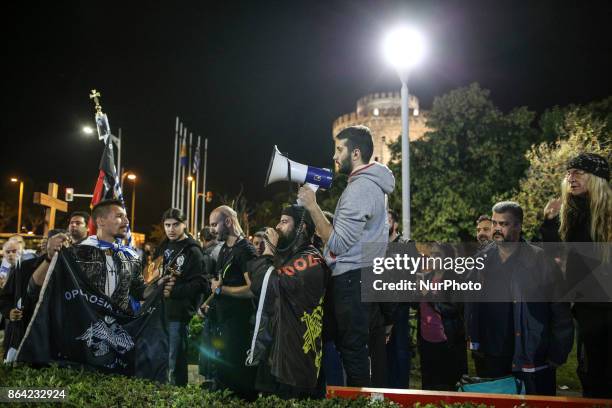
132	177
403	49
15	180
191	207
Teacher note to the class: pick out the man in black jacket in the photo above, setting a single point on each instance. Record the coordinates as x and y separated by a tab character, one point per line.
290	279
232	304
182	258
508	336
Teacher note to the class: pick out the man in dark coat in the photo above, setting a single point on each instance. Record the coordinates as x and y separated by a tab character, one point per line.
290	280
526	339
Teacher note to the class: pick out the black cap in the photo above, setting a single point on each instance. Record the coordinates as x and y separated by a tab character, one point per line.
591	163
296	212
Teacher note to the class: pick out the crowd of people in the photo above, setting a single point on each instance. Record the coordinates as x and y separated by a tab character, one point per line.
283	311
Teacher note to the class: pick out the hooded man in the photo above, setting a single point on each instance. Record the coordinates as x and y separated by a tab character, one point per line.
290	279
183	258
359	234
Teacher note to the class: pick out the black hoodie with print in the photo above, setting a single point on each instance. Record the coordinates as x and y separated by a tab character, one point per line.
186	259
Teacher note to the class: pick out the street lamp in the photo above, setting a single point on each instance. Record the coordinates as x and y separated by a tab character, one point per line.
132	178
404	48
15	180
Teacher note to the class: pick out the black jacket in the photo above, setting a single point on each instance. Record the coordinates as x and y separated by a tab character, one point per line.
187	261
579	263
542	330
288	341
92	261
14	292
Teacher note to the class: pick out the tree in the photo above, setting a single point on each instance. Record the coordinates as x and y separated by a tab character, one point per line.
7	213
474	153
329	199
35	217
579	132
267	213
553	121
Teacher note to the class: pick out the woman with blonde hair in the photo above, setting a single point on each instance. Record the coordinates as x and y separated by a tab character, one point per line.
584	214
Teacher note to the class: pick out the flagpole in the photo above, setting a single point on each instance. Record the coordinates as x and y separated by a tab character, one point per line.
176	128
197	185
177	199
204	183
182	180
189	184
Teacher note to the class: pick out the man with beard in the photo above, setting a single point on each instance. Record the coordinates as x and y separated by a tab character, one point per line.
77	226
182	258
526	339
483	230
232	304
290	280
107	265
359	234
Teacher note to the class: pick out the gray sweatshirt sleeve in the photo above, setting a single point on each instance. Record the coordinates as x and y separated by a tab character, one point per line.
354	209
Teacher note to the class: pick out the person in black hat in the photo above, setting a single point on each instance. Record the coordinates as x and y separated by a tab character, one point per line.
183	259
289	280
583	214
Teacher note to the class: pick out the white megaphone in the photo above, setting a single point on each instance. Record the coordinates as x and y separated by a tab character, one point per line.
283	169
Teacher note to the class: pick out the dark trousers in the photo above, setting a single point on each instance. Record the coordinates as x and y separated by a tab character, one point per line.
233	343
208	354
378	357
332	365
177	359
492	366
442	365
595	358
352	319
541	382
399	349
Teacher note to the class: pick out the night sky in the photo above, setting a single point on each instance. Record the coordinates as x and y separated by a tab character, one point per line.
249	75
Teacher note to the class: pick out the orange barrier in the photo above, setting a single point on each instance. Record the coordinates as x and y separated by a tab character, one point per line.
408	398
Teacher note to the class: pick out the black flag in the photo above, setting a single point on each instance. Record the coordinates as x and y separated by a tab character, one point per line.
75	324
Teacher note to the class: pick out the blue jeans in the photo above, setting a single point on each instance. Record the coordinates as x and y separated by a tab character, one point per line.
399	349
352	319
177	357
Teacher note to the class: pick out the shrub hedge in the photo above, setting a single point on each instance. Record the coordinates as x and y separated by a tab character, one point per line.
91	389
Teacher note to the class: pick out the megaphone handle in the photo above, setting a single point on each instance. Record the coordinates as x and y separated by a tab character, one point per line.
311	186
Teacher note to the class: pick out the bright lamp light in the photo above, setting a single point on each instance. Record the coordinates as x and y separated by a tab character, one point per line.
131	176
88	130
404	47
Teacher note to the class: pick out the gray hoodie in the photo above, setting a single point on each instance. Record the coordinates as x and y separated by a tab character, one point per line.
361	218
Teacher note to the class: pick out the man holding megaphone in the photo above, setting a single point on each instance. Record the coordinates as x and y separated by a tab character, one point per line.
360	218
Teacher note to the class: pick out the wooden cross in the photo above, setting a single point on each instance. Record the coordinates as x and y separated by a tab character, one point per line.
52	203
95	95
